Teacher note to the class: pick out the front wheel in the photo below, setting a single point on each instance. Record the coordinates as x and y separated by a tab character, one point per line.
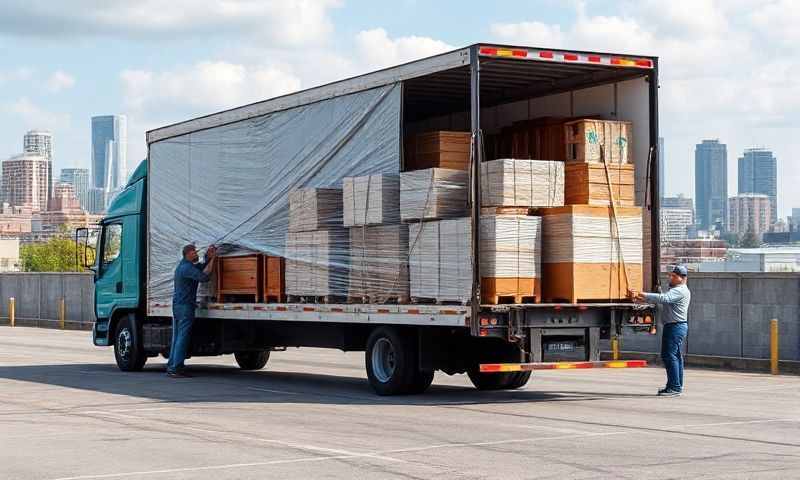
252	360
128	349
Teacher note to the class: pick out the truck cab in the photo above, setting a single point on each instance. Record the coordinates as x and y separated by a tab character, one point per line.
119	266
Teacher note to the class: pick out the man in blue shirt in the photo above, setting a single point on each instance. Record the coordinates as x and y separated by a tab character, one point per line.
188	276
675	315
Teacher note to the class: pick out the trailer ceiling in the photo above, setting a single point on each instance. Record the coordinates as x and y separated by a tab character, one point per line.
504	80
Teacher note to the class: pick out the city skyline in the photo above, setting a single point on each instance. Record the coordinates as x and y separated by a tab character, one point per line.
109	151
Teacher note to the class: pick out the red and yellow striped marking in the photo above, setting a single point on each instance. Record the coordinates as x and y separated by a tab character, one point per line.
521	367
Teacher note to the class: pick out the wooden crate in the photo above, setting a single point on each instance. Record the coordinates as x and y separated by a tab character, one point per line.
496	290
583	252
274	277
587	184
589	140
241	276
441	149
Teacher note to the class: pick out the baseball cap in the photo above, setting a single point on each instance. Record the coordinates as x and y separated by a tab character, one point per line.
680	270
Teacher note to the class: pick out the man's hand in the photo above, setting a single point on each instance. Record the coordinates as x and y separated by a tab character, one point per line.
634	295
211	252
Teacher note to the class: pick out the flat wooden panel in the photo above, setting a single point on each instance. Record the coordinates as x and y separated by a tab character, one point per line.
274	279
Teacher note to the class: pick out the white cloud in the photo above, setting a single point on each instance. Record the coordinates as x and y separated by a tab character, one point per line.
204	86
60	81
33	116
377	50
286	22
17	74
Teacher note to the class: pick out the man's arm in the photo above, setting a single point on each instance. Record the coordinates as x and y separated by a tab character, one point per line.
673	295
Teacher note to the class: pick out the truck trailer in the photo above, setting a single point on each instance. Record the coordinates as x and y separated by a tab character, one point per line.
225	179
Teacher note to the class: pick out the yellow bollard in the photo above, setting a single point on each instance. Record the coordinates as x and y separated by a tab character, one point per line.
12	311
615	347
773	346
62	312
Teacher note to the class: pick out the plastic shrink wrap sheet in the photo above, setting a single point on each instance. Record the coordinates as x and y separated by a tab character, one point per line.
371	200
231	185
522	183
434	193
440	260
379	264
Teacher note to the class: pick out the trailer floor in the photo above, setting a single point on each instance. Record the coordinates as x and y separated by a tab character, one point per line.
67	413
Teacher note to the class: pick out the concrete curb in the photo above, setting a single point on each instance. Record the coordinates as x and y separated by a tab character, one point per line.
756	365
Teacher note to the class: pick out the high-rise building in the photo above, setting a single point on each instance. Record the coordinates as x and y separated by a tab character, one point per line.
79	179
662	181
109	151
64	198
96	200
758	173
40	142
25	181
711	184
749	212
677	202
675	223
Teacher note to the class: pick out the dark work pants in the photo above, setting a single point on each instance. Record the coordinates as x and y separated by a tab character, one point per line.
672	338
182	320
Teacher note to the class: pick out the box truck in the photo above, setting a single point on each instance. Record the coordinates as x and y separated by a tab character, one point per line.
226	179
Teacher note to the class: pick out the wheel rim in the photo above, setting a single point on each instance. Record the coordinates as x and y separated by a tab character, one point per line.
383	360
124	341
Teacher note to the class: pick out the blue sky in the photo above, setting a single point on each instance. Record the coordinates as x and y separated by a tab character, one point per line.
728	68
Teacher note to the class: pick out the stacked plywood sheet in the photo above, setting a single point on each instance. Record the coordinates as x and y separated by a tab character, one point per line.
314	208
510	262
371	200
522	183
434	193
439	149
591	253
598	140
587	183
440	254
317	263
379	264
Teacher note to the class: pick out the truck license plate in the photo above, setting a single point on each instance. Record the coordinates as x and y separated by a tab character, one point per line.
561	347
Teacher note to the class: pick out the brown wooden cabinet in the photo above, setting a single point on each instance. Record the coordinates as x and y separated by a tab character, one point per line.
239	277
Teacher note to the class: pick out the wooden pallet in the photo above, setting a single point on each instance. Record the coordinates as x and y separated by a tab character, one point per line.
506	211
240	276
495	291
439	301
274	278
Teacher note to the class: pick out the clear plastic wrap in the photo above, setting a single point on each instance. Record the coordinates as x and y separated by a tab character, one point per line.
371	200
433	193
592	235
230	186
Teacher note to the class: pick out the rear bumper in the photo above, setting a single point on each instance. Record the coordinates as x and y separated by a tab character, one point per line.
524	367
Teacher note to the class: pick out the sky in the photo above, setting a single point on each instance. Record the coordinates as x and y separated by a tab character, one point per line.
728	69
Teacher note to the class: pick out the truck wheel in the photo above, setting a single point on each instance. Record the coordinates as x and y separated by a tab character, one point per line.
498	381
252	360
128	350
421	382
391	360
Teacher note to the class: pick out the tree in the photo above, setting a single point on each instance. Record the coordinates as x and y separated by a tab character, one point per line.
749	240
56	255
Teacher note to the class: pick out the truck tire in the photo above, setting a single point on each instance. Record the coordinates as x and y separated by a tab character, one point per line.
128	349
421	382
498	381
252	360
392	363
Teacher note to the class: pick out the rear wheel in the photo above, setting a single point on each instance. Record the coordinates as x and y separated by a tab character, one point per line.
392	363
128	350
252	360
498	381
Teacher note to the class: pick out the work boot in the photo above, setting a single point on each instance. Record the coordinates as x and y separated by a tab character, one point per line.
668	392
178	374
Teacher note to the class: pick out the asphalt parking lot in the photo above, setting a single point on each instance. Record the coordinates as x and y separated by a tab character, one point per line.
66	412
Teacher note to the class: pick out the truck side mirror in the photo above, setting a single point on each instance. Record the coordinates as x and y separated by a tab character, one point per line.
85	254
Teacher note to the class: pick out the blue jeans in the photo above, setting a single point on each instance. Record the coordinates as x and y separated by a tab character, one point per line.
672	339
182	320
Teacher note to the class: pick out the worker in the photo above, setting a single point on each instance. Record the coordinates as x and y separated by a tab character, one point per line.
674	306
188	276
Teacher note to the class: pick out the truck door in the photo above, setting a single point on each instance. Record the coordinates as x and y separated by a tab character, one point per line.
110	288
